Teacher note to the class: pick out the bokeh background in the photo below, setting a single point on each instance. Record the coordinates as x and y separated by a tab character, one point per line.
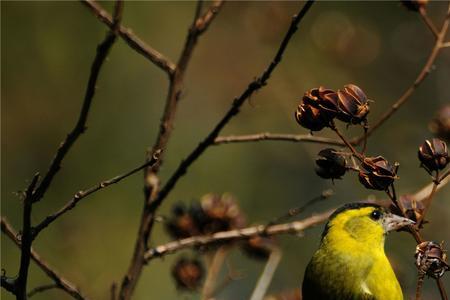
47	49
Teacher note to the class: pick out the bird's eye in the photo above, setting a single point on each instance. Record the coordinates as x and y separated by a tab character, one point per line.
375	215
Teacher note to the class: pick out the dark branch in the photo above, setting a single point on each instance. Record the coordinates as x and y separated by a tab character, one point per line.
131	39
102	52
63	283
83	194
26	241
198	26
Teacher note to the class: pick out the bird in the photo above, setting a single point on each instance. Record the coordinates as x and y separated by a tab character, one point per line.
350	263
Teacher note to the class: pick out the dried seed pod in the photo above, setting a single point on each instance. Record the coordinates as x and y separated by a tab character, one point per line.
353	105
440	125
310	117
377	173
413	209
433	155
181	224
317	109
414	5
259	247
221	213
330	164
431	259
188	274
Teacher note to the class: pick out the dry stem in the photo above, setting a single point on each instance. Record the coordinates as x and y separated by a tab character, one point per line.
62	282
266	136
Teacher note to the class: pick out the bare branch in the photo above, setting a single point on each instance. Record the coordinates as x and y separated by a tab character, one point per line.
26	241
237	234
198	26
63	283
166	127
420	78
428	22
83	194
204	21
102	52
131	39
266	136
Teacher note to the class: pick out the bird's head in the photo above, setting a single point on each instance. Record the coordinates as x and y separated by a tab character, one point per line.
366	223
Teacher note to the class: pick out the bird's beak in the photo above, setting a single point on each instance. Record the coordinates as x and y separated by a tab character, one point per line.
393	222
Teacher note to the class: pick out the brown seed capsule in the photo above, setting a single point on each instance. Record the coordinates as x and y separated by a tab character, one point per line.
377	173
181	223
330	164
433	155
440	125
221	213
353	105
431	259
414	5
317	109
188	274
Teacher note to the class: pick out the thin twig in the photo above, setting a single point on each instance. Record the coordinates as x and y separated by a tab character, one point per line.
166	126
102	52
420	78
267	275
445	45
42	288
64	284
266	136
83	194
237	234
131	39
428	22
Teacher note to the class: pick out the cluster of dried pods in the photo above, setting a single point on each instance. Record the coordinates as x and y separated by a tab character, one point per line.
211	214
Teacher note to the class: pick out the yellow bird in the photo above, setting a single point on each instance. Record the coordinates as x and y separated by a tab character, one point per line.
350	263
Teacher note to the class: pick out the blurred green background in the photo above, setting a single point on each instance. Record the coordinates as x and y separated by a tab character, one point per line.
47	49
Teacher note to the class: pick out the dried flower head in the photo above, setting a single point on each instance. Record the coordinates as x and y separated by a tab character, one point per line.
317	109
181	223
188	274
221	213
440	125
330	164
259	247
414	5
353	105
431	259
377	173
433	155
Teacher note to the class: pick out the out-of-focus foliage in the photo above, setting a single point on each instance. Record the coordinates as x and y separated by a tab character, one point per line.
47	49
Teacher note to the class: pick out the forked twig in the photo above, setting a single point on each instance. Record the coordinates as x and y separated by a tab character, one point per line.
62	282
